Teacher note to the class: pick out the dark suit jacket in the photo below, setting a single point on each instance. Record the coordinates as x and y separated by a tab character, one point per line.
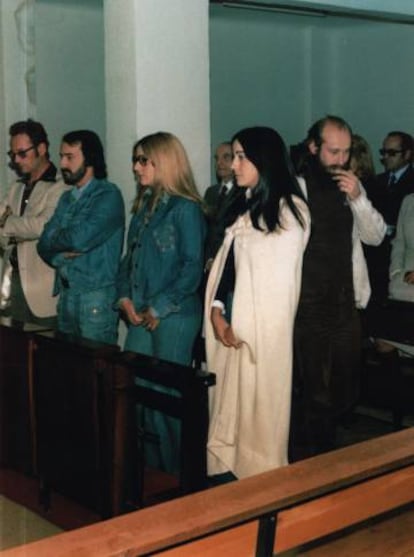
387	199
216	216
211	196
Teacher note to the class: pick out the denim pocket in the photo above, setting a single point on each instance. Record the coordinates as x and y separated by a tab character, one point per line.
165	237
98	319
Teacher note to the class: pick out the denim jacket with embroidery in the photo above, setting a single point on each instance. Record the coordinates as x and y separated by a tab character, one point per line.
164	262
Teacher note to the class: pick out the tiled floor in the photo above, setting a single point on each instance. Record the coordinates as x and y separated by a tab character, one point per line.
23	519
19	525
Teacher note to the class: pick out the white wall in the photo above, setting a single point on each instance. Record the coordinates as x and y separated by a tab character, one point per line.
287	71
69	61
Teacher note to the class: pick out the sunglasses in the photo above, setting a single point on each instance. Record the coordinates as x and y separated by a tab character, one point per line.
390	152
142	160
22	153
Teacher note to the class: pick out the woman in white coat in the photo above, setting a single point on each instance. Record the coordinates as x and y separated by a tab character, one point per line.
401	285
259	265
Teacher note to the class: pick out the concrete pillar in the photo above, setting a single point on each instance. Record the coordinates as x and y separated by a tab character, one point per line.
157	78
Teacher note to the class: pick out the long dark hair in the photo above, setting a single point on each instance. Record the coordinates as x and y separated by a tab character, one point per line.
267	151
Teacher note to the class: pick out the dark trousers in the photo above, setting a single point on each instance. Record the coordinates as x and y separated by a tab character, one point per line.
327	343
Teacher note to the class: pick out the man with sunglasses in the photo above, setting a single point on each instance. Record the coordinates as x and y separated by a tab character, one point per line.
397	180
387	194
27	282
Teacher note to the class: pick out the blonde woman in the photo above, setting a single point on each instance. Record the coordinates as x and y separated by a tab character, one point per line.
161	272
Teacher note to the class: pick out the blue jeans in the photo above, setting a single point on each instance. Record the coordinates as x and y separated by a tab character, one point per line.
172	340
89	314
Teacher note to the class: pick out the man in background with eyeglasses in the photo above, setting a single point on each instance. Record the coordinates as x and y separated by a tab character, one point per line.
218	198
387	194
27	282
397	180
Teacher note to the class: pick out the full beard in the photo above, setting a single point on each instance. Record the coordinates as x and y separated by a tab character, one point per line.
73	178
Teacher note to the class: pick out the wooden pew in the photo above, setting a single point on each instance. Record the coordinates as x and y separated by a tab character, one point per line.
275	511
85	397
17	434
392	319
388	379
189	406
73	419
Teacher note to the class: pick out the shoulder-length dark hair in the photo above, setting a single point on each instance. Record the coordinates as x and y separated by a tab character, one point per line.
267	151
92	149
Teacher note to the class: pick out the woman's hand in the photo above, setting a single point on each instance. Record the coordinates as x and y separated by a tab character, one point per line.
127	306
222	329
148	320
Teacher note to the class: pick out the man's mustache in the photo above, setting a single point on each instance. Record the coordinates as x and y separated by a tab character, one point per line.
16	168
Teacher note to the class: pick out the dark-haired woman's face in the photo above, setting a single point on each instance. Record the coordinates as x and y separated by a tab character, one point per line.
245	172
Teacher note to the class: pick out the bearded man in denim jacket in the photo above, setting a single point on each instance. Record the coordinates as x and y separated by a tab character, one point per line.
83	241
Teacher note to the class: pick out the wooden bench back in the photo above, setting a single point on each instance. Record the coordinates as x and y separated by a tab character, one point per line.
310	498
392	320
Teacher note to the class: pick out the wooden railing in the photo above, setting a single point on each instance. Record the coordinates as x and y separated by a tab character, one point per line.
271	512
16	396
275	511
67	409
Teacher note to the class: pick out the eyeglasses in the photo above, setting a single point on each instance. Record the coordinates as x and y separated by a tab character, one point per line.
390	152
22	153
142	160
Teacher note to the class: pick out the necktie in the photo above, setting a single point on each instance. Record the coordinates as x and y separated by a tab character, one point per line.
221	195
391	180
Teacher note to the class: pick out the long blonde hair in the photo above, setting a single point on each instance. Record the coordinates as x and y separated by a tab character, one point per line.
173	174
361	158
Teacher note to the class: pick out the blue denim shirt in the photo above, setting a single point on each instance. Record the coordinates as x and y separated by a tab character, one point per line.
164	262
91	225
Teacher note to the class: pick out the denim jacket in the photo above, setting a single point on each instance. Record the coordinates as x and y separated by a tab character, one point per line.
164	262
91	226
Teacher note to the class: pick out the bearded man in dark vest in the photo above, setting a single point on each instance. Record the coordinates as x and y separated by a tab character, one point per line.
334	284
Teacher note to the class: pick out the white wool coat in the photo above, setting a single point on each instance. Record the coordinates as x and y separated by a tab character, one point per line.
369	227
402	256
250	404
